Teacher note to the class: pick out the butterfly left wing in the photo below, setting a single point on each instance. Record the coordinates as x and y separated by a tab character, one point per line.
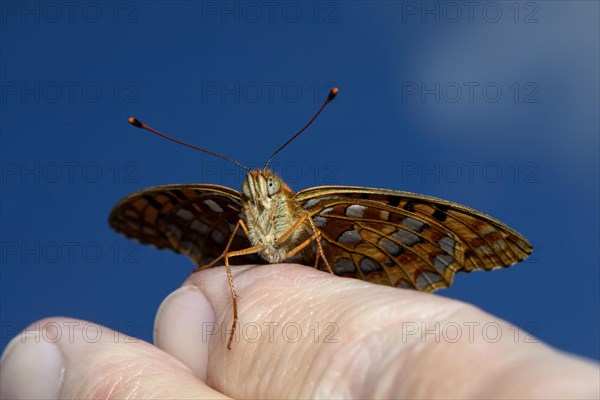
193	219
407	240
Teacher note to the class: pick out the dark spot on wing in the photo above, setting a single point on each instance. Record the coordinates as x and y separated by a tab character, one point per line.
440	212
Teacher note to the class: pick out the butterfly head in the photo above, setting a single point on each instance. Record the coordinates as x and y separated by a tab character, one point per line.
263	188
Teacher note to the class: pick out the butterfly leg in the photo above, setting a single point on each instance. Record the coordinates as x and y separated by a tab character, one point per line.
240	224
249	250
316	237
226	255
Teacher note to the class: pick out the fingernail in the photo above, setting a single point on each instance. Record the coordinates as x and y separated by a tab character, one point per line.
184	324
31	368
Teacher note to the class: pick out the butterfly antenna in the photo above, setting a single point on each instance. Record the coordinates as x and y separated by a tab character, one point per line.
138	124
331	96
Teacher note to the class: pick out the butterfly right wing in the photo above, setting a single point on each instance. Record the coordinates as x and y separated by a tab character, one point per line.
405	239
192	219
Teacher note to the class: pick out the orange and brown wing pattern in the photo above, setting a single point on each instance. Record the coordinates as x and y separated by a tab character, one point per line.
196	220
407	240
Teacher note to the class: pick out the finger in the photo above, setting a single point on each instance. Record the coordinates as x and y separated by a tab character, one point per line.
78	359
302	332
182	323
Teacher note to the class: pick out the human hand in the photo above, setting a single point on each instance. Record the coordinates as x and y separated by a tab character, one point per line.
302	334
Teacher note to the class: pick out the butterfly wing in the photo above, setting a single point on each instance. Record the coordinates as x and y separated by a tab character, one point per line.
195	219
407	240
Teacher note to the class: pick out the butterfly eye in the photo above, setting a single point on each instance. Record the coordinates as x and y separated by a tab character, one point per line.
273	185
246	189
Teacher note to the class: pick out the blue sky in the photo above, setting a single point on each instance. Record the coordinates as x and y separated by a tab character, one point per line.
494	106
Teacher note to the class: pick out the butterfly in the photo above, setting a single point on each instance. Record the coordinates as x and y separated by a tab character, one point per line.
387	237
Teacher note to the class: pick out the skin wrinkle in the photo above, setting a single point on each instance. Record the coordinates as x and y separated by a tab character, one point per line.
338	384
253	372
262	380
379	335
544	368
508	361
126	380
143	371
306	361
109	374
281	367
507	368
279	373
368	344
326	376
419	353
392	372
359	371
429	354
315	367
105	381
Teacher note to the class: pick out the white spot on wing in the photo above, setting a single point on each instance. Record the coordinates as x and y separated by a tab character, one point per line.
447	244
217	236
406	237
213	205
355	211
349	237
311	203
404	285
442	261
499	245
184	214
344	266
320	221
130	213
190	247
427	278
199	227
413	224
368	265
174	230
389	246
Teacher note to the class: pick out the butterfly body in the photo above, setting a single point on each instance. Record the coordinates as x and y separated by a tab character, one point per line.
270	212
